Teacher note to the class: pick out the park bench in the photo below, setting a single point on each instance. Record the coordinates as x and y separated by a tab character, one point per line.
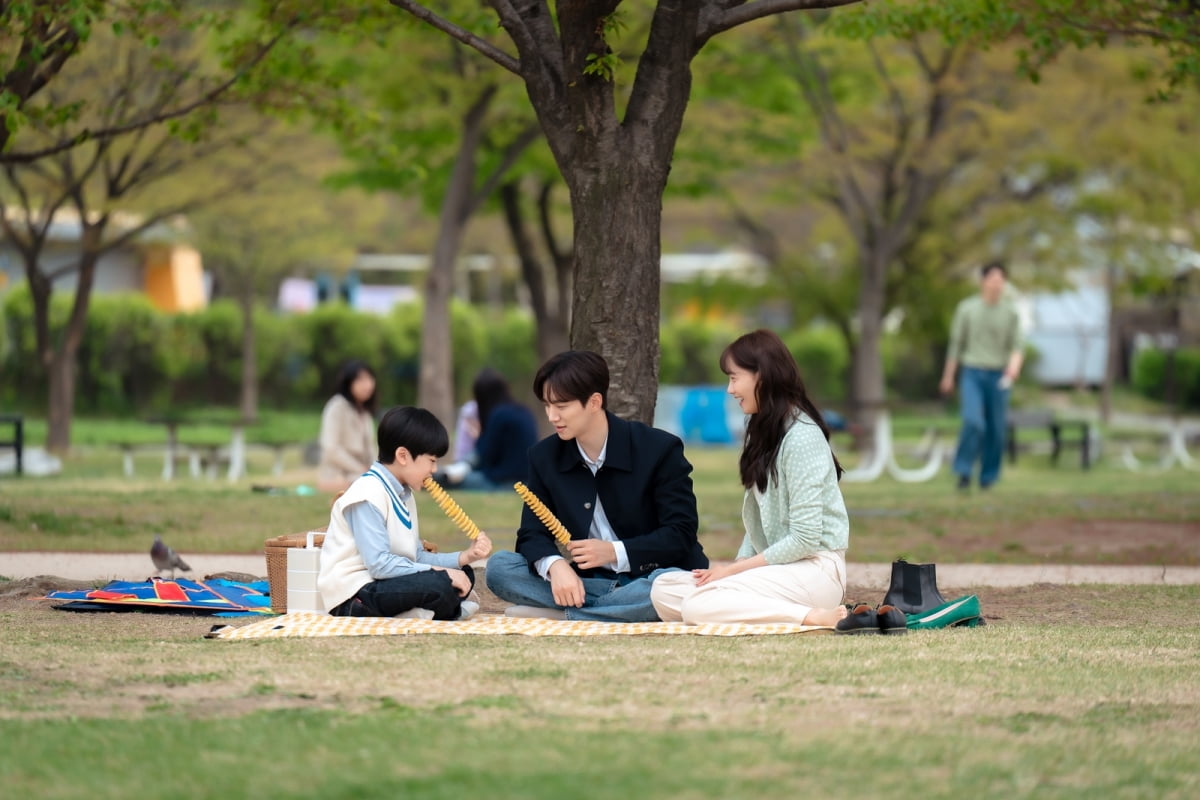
17	442
204	458
1044	419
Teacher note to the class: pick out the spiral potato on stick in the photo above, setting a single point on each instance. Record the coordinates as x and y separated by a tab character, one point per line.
556	528
451	508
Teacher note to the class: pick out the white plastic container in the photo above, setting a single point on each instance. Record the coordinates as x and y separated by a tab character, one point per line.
303	565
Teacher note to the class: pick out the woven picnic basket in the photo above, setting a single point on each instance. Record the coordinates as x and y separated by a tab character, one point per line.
275	550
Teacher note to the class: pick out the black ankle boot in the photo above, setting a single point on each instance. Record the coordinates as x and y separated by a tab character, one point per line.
914	588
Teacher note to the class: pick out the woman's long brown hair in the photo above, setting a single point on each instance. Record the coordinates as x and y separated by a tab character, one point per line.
780	396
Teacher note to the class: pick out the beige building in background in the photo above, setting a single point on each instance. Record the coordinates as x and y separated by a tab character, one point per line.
156	263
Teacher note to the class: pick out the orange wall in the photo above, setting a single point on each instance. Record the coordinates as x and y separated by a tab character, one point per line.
174	278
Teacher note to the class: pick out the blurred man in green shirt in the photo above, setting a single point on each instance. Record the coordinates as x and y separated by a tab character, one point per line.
986	353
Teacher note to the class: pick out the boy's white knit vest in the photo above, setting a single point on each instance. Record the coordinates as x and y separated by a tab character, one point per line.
343	572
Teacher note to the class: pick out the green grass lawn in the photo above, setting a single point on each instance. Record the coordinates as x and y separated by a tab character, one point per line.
103	705
1071	692
92	507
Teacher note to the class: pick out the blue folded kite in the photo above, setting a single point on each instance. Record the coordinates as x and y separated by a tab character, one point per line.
217	597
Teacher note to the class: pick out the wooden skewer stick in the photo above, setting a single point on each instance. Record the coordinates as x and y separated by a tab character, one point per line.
557	530
452	509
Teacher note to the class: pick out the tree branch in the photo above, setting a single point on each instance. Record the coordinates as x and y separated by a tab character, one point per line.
152	119
511	153
718	16
814	85
447	27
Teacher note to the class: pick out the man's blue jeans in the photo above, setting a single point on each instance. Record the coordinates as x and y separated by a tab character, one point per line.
984	408
620	599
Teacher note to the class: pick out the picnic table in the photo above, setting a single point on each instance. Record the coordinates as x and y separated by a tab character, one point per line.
1032	419
206	444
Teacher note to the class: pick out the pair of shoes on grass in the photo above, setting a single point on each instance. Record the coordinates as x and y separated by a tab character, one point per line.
960	612
887	620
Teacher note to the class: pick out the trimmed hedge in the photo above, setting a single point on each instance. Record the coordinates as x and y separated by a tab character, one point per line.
1149	375
138	361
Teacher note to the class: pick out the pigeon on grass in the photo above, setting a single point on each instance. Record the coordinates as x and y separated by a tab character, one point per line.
164	557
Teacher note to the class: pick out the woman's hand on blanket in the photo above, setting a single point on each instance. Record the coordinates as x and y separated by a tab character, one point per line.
714	573
566	585
480	548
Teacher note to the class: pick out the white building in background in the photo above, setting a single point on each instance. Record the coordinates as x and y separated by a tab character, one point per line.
157	262
1069	331
298	294
742	265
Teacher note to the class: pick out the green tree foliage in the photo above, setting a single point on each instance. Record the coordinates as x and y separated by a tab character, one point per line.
41	39
286	222
613	137
1048	28
433	123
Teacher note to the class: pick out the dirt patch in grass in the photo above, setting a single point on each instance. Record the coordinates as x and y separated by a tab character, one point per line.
1051	540
1123	541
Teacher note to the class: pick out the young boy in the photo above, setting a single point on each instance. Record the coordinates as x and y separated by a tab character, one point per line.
373	563
622	489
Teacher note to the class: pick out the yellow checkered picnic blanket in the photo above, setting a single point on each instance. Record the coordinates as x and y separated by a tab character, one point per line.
307	623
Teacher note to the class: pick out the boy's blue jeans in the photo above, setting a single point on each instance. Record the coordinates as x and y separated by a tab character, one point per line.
984	409
619	599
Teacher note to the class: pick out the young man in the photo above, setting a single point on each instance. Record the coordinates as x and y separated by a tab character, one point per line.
985	339
622	489
373	563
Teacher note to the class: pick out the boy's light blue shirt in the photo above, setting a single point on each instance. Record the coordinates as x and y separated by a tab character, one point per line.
371	537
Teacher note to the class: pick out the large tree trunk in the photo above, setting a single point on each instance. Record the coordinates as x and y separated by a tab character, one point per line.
867	381
618	219
249	393
435	388
60	361
551	329
435	383
61	374
1112	343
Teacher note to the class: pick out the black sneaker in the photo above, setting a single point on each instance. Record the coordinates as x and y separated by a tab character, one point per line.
964	483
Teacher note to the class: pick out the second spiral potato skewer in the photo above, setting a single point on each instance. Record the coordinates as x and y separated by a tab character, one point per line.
556	528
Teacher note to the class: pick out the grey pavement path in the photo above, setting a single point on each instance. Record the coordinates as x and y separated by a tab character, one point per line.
137	567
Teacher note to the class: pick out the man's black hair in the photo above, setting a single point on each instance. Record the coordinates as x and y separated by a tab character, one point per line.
572	375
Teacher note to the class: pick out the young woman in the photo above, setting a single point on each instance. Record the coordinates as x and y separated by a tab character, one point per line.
348	429
791	566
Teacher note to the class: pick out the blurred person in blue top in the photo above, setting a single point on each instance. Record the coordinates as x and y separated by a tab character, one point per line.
507	430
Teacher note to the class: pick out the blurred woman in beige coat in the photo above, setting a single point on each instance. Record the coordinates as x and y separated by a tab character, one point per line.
348	429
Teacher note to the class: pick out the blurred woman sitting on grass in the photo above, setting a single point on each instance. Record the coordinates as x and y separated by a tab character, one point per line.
348	429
